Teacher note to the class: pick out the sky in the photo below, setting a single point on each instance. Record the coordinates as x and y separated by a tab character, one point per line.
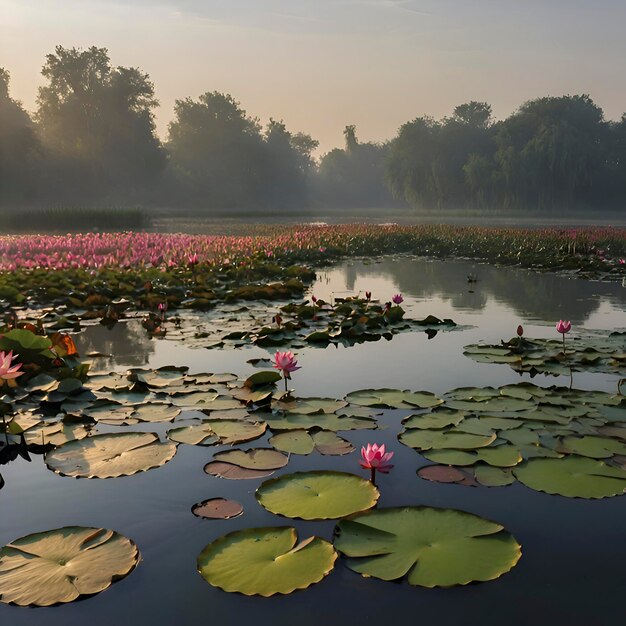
322	64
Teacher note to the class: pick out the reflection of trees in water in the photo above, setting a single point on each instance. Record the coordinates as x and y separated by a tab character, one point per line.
127	343
529	294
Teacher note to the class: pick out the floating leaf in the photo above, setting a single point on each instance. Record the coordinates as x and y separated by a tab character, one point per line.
324	421
110	455
234	472
432	547
217	508
301	442
573	477
446	474
489	476
317	495
265	561
393	399
61	565
594	447
255	459
211	432
428	439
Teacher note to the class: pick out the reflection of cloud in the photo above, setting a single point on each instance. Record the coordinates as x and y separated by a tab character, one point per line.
127	343
529	294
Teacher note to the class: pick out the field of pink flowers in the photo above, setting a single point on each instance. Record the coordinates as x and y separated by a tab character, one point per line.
547	247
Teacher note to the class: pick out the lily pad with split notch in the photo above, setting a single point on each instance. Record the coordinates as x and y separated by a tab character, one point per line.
63	565
431	547
265	561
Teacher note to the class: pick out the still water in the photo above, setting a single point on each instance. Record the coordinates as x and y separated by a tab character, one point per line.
572	568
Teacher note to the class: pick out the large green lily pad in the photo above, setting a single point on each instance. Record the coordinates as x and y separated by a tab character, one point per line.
255	459
220	431
265	561
393	399
317	495
431	547
110	455
303	442
62	565
573	477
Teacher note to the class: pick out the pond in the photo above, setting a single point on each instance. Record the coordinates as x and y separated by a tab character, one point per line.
571	570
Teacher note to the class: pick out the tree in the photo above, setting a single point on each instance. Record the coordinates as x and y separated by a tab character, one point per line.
97	121
428	161
353	177
20	150
287	165
216	151
551	152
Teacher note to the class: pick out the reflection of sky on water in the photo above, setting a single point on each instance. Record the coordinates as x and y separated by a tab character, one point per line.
493	307
572	568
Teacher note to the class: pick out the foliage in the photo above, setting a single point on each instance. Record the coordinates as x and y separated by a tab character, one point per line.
265	561
62	565
562	441
432	547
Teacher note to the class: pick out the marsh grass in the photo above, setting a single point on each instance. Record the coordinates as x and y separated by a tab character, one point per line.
73	219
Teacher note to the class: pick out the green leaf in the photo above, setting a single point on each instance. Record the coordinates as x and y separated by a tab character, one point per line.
317	495
301	442
221	431
256	459
431	547
265	561
573	477
427	439
263	378
393	399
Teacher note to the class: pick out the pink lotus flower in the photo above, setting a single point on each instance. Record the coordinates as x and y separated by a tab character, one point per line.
564	327
285	362
8	371
192	259
520	330
397	299
374	457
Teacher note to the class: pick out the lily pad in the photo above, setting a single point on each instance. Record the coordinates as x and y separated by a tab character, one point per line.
265	561
234	472
212	432
573	477
301	442
255	459
317	495
394	399
110	455
217	508
431	547
62	565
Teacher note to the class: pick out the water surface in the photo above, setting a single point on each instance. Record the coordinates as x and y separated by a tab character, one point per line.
572	568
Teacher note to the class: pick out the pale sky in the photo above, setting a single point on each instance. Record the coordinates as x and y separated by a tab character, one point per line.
322	64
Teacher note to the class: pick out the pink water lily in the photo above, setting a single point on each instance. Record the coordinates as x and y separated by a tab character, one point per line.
8	371
285	362
374	458
564	327
397	299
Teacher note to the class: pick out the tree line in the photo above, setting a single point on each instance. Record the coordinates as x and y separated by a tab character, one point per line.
92	142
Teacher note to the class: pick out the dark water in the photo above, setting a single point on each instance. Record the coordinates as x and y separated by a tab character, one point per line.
572	569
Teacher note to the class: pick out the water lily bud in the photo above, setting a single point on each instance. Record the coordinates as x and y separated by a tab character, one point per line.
520	330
